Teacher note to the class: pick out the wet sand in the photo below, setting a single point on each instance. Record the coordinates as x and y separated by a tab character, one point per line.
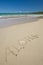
21	44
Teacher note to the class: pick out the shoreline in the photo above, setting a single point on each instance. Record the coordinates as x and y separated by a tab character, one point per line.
6	21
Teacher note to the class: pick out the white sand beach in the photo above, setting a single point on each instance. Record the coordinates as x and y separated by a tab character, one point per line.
21	44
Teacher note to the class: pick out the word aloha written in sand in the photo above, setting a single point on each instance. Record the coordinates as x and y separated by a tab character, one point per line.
22	43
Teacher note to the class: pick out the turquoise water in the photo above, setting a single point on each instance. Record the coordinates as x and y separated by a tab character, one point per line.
4	14
13	14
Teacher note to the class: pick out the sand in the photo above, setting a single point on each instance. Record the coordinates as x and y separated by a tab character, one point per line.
22	44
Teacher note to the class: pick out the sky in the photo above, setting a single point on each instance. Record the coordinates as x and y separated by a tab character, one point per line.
11	6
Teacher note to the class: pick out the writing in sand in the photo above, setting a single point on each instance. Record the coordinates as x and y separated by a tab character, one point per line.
22	43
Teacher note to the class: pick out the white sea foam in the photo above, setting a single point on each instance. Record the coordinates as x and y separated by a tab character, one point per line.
1	16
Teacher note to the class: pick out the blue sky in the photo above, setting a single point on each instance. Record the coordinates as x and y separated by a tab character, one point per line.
11	6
